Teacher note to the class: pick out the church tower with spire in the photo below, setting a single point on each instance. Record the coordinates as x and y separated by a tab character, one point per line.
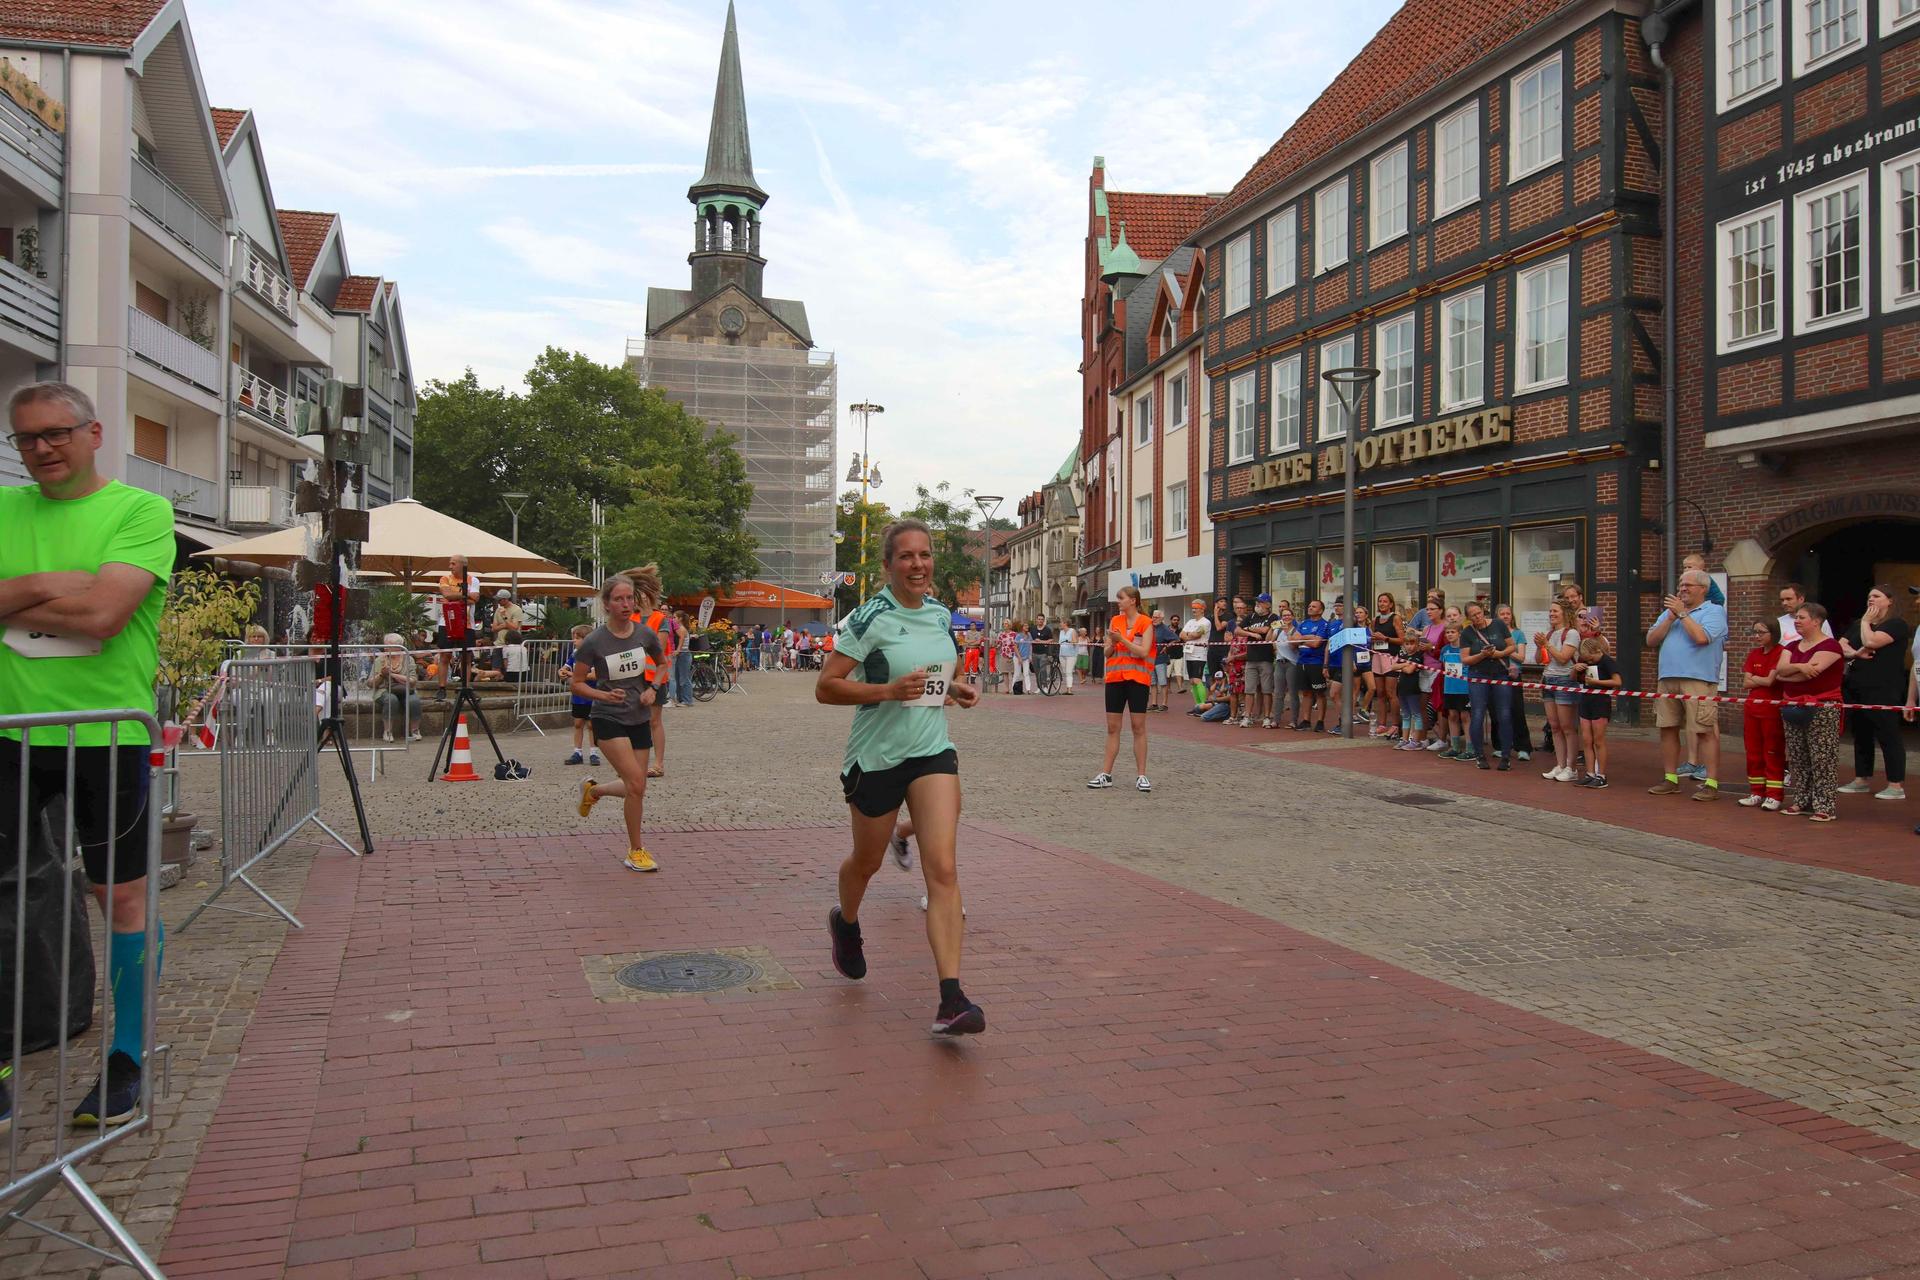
745	363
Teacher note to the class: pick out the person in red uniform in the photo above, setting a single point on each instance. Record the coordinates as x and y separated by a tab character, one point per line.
1766	736
1810	670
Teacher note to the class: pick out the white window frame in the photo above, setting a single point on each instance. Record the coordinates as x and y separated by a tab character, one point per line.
1169	332
1804	59
1383	388
1142	518
1329	425
1176	510
1143	420
1890	296
1177	404
1283	431
1724	338
1470	115
1453	322
1553	124
1387	180
1283	250
1723	24
1242	425
1239	275
1525	285
1340	222
1891	18
1802	273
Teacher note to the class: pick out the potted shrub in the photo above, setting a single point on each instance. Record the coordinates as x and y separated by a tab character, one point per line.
203	611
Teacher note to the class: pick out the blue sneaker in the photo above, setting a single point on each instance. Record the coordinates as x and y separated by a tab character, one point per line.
575	758
120	1084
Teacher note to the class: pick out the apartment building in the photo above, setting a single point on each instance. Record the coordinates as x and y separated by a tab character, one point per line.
161	277
1043	553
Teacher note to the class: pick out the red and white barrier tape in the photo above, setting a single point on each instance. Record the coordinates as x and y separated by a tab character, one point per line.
1686	697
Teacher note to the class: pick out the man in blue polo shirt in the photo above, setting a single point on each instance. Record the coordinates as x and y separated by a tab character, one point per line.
1691	635
1313	634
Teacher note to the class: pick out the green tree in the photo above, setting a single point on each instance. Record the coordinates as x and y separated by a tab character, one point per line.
956	555
848	556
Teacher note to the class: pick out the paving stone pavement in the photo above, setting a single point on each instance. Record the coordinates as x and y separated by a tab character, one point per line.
1793	980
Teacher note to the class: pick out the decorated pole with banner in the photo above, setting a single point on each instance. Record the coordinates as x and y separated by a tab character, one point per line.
707	604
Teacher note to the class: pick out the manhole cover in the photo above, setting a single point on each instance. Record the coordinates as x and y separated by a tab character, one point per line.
1417	800
687	971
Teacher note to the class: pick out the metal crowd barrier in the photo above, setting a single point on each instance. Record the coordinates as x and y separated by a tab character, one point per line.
269	746
49	804
362	711
538	689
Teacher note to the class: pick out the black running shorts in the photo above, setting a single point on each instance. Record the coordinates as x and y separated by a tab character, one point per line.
1313	676
94	782
883	791
640	735
1126	695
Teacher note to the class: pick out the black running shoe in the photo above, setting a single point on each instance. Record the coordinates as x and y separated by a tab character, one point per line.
121	1085
849	959
962	1018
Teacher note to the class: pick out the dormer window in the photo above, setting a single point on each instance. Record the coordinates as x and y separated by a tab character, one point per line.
1169	334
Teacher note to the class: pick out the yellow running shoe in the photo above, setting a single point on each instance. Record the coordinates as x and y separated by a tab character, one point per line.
586	797
641	860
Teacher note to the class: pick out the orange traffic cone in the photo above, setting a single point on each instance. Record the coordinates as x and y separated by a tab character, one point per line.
460	766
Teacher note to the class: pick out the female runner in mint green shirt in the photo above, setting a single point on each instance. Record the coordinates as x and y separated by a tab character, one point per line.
894	660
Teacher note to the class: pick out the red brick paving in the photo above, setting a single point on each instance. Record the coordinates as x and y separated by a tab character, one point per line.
1169	1086
1874	837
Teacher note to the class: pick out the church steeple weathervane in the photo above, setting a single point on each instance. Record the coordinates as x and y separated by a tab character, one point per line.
727	200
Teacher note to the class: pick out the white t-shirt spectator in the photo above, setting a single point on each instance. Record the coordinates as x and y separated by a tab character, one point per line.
1788	633
1194	632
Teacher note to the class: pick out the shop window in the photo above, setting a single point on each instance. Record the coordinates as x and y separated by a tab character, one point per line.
1832	253
1540	559
1458	148
1463	568
1463	338
1287	579
1286	404
1239	272
1177	510
1543	327
1330	577
1331	228
1829	29
1394	342
1536	118
1388	192
1396	570
1900	189
1750	33
1750	261
1143	420
1283	250
1337	354
1240	417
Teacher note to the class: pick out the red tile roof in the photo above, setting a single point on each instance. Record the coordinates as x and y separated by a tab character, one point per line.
1157	223
1422	46
356	293
114	23
226	122
304	233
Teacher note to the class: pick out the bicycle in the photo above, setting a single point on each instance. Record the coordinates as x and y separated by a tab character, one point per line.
1046	675
710	677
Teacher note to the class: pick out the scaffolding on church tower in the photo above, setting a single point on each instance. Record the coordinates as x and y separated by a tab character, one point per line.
780	407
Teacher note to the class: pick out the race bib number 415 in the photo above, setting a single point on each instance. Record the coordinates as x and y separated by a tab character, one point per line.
627	665
935	694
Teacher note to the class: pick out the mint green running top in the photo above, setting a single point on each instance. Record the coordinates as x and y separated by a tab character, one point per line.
886	640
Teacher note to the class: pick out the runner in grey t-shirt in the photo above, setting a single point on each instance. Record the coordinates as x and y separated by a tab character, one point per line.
617	668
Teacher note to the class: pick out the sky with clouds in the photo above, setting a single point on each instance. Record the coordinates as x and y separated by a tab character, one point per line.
520	167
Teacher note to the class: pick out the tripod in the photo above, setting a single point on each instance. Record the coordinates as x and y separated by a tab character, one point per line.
465	699
332	729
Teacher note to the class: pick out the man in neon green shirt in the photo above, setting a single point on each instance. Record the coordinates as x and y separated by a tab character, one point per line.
84	562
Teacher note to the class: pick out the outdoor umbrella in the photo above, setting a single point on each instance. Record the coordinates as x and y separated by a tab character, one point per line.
407	541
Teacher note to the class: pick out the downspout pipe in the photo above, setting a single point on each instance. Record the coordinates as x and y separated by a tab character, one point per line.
1656	29
66	213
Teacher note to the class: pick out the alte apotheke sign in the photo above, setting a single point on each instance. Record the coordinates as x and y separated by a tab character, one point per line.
1398	448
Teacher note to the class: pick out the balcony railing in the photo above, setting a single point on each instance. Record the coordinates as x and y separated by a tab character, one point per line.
27	303
175	210
186	491
261	399
265	281
259	504
172	350
25	133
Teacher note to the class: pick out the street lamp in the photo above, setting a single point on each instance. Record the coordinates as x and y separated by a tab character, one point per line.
1349	385
988	504
515	501
868	475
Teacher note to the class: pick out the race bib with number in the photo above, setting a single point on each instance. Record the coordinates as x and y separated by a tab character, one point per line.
46	644
629	664
935	694
1456	670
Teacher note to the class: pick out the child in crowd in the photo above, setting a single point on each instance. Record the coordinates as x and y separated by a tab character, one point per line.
1596	672
1453	716
582	725
1409	673
1766	735
1236	672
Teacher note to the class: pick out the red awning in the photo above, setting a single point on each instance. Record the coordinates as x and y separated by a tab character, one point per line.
757	595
